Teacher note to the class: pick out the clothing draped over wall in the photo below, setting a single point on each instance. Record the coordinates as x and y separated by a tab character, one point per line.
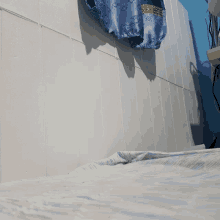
142	22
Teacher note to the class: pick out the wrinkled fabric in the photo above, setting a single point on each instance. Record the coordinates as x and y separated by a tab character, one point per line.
128	185
142	22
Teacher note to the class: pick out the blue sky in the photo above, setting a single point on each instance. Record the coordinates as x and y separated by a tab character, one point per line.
197	11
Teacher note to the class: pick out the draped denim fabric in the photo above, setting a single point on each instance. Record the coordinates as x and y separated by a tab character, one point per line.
142	22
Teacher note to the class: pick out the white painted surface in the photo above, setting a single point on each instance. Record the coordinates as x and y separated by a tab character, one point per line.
69	100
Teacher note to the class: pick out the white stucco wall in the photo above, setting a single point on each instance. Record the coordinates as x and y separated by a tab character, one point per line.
70	94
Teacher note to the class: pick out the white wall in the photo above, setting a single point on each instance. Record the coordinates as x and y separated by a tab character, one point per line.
71	94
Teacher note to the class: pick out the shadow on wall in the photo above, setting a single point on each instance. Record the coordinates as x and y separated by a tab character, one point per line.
209	116
197	129
93	36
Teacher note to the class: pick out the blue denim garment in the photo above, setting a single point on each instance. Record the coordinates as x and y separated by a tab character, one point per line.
142	22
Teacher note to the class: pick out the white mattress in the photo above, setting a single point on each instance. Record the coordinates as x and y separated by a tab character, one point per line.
128	185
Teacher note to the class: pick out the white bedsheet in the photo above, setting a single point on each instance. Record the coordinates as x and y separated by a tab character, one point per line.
128	185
